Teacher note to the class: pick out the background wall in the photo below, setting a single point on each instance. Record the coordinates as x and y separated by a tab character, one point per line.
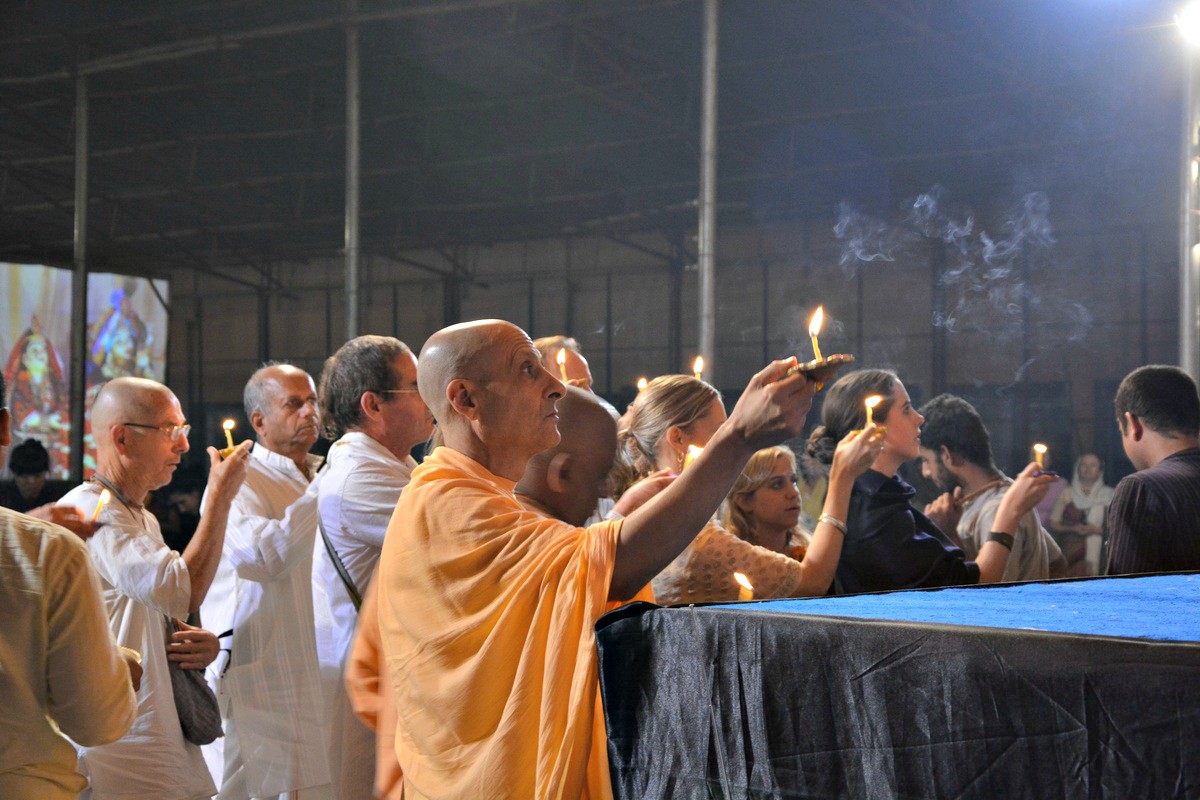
1034	311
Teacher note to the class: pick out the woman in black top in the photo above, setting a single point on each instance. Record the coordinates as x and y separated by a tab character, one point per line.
889	544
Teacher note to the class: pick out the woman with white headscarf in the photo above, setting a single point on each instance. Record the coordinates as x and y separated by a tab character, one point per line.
1080	510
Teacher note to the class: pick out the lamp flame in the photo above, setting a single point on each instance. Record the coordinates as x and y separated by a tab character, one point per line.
104	498
1039	454
561	359
746	592
870	403
818	317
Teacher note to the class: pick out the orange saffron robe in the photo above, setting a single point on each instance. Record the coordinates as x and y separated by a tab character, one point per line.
487	612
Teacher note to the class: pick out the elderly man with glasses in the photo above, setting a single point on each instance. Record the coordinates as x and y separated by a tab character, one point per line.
375	415
141	436
269	688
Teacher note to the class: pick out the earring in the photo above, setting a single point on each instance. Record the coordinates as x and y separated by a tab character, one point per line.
679	463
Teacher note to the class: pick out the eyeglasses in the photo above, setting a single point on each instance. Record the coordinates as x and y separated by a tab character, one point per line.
173	432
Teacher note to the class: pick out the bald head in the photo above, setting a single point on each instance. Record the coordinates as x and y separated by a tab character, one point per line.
567	479
464	351
125	400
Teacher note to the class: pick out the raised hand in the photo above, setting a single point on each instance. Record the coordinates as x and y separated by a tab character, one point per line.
774	406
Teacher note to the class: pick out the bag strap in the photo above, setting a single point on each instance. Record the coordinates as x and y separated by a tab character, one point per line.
340	567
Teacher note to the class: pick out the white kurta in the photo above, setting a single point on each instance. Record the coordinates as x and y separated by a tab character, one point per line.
143	582
1033	548
270	693
359	489
59	663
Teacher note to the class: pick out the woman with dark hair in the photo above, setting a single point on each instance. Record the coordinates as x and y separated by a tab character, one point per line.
677	411
889	544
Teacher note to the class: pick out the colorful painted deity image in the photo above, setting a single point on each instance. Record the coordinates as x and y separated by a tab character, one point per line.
38	398
121	346
120	342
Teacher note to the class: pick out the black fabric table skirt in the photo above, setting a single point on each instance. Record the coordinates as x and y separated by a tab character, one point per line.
736	703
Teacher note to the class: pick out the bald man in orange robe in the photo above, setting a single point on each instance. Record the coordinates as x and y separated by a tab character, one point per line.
487	608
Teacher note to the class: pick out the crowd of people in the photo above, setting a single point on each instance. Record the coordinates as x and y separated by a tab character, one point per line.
368	626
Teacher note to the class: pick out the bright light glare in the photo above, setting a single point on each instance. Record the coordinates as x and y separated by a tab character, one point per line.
1188	20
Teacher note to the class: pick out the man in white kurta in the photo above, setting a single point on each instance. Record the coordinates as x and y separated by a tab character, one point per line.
269	686
372	409
956	454
141	435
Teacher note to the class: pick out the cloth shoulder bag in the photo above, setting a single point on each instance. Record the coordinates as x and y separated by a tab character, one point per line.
195	703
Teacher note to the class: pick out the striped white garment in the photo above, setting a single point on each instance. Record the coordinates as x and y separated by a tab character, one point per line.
270	690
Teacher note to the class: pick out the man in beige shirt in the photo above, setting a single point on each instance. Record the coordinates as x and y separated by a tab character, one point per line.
62	670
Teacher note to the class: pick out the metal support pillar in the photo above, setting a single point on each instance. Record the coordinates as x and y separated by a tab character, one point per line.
79	277
353	187
1189	231
708	192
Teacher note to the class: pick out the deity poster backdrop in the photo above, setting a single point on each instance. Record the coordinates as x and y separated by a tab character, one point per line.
127	327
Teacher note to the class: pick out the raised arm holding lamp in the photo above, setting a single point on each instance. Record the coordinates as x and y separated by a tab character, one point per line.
487	608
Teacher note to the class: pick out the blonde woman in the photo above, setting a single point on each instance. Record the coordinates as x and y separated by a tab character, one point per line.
677	411
764	505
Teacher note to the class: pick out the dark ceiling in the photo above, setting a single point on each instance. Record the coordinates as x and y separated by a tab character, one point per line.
217	127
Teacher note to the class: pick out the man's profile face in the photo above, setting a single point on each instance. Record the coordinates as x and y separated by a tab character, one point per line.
934	469
154	452
407	421
290	421
517	401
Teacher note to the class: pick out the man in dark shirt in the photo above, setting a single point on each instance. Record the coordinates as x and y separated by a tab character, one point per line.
1154	518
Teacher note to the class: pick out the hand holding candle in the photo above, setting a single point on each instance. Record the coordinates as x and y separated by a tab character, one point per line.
745	588
105	496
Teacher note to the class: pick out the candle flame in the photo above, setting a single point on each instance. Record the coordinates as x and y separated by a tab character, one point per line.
1040	449
642	383
743	581
105	495
562	356
873	401
818	317
698	366
228	424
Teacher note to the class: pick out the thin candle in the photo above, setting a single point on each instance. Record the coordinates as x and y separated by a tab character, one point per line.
1039	454
698	368
104	498
561	358
228	425
642	383
814	327
745	588
870	403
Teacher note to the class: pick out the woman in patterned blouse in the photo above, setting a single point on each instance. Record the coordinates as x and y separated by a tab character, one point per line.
677	411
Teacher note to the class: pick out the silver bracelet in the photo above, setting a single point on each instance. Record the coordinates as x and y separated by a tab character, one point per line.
834	521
